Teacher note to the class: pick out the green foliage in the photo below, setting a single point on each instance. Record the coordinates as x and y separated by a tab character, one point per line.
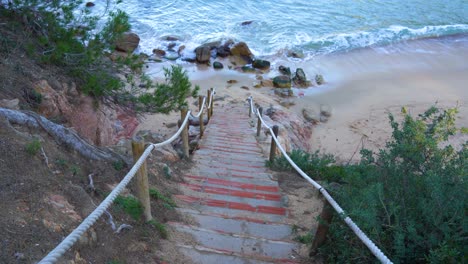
169	95
167	201
167	171
118	165
129	205
409	198
33	147
160	227
320	167
67	34
305	239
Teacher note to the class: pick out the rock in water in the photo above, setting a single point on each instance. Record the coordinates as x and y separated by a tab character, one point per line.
90	4
247	69
128	42
203	54
159	52
300	78
319	79
245	23
218	65
261	64
242	50
284	70
282	81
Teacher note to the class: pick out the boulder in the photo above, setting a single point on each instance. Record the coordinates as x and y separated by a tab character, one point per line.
181	49
300	79
159	52
218	65
282	81
128	42
203	54
171	46
170	38
246	23
261	64
310	115
319	79
90	4
241	50
284	70
247	69
224	50
295	54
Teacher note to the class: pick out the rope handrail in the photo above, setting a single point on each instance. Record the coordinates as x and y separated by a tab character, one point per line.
355	228
71	239
201	109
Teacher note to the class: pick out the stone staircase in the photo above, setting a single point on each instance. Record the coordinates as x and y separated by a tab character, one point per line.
233	198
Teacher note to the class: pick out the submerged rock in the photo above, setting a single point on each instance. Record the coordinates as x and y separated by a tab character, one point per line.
218	65
319	79
261	64
247	69
171	55
170	38
245	23
296	54
300	79
284	70
282	81
159	52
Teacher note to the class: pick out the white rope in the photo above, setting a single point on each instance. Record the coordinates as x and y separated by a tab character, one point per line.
211	98
70	240
201	109
364	238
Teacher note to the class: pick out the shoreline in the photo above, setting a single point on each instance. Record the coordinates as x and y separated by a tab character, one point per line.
361	87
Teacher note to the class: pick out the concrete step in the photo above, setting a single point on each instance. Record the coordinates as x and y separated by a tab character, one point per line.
273	231
244	246
234	209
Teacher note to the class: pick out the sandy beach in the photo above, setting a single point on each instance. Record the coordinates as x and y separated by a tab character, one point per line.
361	88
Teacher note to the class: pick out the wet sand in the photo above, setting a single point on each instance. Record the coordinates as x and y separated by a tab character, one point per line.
362	87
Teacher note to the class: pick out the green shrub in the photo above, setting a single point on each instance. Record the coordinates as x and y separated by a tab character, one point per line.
167	201
160	227
33	147
66	34
130	205
409	198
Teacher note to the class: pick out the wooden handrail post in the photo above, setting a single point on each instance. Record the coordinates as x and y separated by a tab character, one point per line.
259	121
208	107
184	134
142	187
273	144
200	107
212	101
250	107
320	237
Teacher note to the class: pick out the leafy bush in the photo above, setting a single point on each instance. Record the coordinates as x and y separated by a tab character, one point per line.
65	33
167	201
409	198
33	147
129	205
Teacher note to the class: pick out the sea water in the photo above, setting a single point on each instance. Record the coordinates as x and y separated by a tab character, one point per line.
312	27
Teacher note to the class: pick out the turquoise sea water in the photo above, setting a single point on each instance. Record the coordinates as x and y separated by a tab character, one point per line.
314	27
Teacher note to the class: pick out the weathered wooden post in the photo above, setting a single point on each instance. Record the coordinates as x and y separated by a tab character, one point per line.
184	134
273	143
200	107
212	101
250	106
208	106
325	219
259	121
142	187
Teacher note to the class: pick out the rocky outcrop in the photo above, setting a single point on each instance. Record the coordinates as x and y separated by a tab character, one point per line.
284	70
261	64
241	50
218	65
282	81
101	125
128	42
203	54
300	79
10	104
